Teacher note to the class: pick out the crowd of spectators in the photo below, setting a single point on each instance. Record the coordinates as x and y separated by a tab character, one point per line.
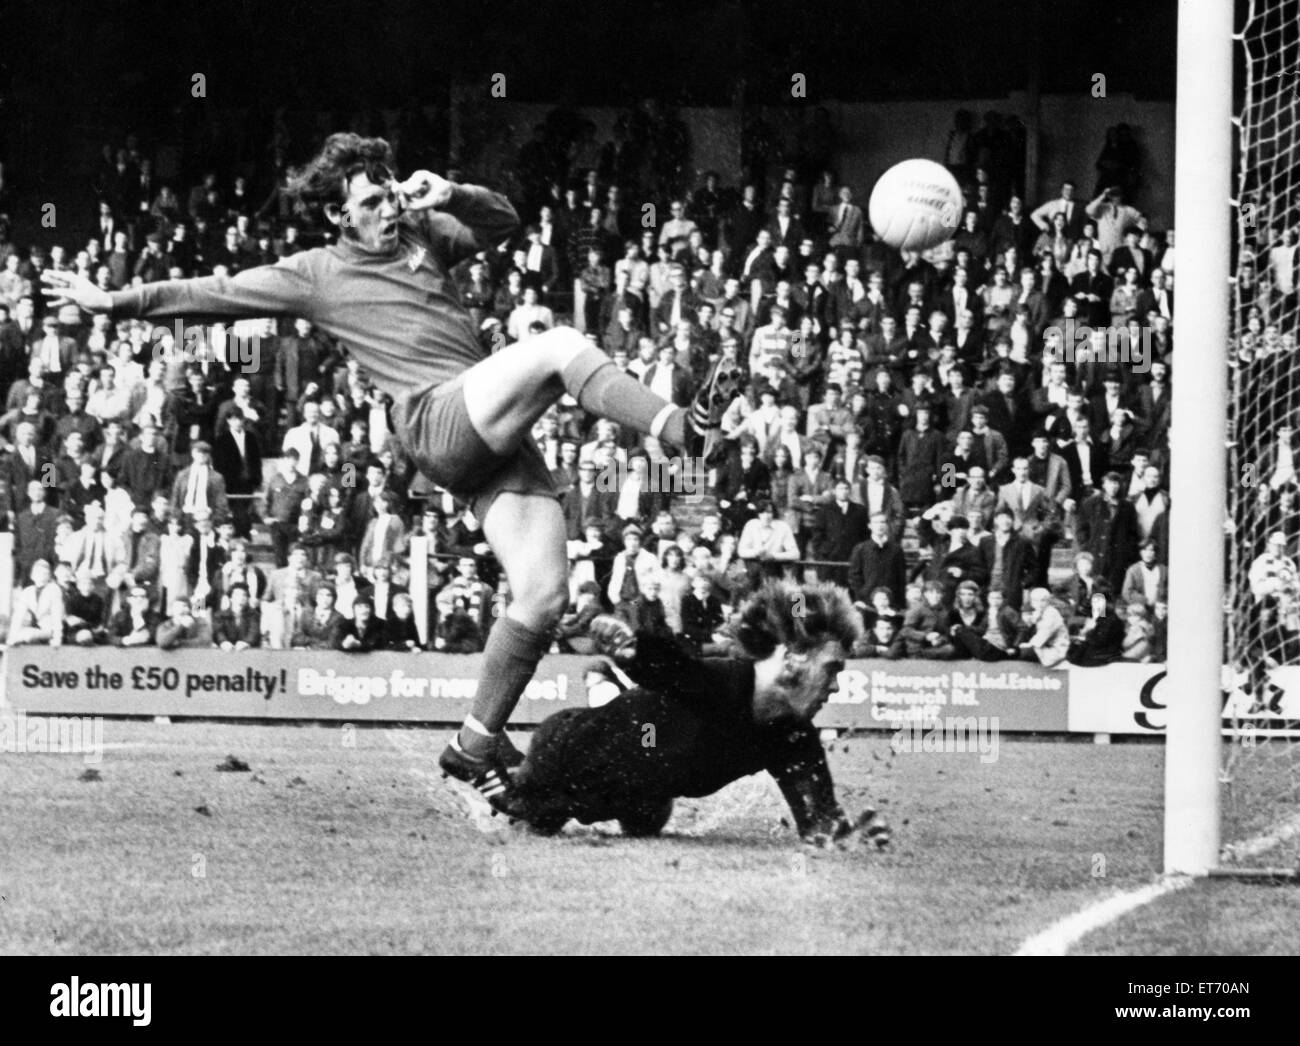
924	429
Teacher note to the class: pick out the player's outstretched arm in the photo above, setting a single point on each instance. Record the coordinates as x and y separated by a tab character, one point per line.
282	289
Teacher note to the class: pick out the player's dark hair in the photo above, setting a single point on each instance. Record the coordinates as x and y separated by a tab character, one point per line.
323	181
800	617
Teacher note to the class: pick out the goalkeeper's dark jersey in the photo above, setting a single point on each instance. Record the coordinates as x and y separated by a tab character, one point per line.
687	729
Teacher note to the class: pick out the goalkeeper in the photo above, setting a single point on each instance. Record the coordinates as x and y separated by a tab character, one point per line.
691	726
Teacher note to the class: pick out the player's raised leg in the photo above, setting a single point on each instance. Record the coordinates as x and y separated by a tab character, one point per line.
526	531
507	392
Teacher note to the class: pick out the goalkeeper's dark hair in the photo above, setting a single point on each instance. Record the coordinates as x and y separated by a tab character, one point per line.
800	617
323	180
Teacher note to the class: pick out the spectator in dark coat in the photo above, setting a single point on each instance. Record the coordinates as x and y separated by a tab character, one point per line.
34	530
920	454
318	628
1108	528
1101	638
135	623
364	632
237	457
239	626
841	526
701	613
402	631
1008	558
877	563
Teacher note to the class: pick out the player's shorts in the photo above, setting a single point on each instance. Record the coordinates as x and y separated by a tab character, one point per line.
433	426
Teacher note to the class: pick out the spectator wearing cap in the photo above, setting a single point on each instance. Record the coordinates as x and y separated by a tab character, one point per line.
1112	398
632	568
1107	526
135	624
200	486
955	559
151	266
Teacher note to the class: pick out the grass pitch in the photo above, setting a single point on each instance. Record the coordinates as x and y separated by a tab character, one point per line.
342	840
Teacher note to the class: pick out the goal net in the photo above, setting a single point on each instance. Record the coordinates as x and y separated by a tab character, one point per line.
1260	794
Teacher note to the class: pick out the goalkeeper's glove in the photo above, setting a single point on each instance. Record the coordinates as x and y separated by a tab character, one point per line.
613	636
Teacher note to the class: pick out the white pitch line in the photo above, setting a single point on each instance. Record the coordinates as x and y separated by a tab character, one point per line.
1063	935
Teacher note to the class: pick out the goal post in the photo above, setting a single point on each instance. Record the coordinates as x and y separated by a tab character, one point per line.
1203	155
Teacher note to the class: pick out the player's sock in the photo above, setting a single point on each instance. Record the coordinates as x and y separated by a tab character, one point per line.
603	389
509	661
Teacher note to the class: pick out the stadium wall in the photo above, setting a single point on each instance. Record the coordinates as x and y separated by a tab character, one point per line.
1010	697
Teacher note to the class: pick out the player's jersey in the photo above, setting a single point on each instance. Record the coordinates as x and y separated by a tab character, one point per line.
688	729
399	312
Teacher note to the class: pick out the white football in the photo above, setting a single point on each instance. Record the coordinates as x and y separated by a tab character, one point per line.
916	205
